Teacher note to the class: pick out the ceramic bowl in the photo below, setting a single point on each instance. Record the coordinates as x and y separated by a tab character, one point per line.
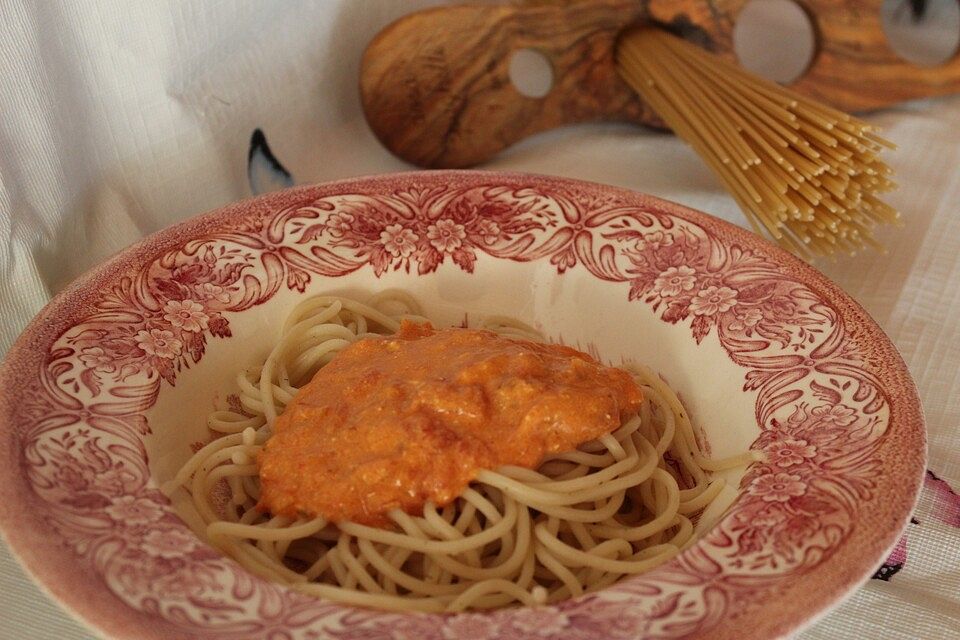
106	392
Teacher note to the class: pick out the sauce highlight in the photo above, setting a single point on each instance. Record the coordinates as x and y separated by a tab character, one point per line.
398	421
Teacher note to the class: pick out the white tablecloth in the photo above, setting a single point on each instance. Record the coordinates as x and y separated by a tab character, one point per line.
120	118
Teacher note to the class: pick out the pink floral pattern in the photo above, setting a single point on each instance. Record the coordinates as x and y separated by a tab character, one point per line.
825	400
186	315
790	452
711	301
778	487
169	544
446	236
97	359
674	281
398	241
544	624
133	511
159	343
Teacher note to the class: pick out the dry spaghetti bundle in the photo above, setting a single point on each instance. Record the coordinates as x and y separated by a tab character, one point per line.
807	174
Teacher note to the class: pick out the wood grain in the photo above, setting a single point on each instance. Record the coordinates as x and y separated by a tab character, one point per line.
436	91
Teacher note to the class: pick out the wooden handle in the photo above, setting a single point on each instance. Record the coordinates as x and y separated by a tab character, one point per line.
436	90
855	69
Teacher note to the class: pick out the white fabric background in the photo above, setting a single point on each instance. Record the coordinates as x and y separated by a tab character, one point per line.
118	118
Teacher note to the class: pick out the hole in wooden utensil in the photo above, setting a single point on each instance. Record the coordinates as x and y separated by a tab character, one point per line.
924	32
531	73
774	39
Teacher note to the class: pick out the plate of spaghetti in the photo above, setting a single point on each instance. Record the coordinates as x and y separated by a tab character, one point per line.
454	405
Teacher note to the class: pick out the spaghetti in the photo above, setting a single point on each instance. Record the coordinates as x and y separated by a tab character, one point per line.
616	506
805	173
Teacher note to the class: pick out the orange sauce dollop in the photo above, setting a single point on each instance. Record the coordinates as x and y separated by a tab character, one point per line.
394	422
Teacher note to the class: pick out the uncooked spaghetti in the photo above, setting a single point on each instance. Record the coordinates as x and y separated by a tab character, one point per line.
806	174
616	506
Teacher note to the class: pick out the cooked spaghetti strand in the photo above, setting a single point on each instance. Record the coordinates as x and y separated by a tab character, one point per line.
580	521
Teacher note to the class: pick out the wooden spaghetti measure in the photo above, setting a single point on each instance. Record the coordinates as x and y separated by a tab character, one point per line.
436	90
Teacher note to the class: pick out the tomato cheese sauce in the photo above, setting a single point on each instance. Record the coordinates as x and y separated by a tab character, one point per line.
398	421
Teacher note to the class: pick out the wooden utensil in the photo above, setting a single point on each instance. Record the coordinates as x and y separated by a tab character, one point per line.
436	90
